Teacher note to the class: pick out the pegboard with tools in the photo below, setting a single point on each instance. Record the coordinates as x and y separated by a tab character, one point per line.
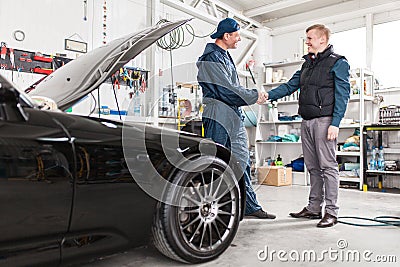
133	78
28	61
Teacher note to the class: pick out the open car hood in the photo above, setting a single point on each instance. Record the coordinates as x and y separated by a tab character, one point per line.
68	84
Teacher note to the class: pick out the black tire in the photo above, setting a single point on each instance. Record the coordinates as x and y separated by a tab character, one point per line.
204	216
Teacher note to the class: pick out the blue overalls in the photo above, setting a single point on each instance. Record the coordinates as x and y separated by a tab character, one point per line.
222	116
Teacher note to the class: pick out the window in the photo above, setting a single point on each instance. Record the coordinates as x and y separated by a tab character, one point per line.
386	58
352	45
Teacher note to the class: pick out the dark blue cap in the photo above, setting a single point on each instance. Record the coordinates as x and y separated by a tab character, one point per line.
227	25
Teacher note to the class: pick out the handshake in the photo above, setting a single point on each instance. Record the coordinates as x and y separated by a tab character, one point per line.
262	97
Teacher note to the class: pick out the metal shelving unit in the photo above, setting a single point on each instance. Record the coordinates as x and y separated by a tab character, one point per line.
361	103
280	122
388	151
364	80
383	172
280	143
267	125
283	64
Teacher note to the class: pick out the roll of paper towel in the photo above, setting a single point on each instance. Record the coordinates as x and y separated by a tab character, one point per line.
268	75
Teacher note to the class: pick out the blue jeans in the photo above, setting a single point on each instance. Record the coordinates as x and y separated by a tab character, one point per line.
236	141
251	198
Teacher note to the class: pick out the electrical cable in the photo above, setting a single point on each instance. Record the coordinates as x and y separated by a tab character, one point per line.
379	221
176	38
116	100
190	29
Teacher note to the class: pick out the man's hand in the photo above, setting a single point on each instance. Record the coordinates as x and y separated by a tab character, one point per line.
333	132
262	97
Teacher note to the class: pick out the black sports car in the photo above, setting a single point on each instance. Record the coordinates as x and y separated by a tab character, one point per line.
73	188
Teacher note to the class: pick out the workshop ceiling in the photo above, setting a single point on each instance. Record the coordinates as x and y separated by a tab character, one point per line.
277	14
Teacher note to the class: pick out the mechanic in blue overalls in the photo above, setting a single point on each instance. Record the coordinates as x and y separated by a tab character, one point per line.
222	98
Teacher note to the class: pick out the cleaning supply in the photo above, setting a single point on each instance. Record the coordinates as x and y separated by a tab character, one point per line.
365	188
278	161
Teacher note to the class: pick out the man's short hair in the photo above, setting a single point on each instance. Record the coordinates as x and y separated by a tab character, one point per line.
322	29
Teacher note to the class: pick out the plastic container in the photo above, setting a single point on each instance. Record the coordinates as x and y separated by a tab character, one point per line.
278	161
136	105
115	112
372	162
104	110
381	160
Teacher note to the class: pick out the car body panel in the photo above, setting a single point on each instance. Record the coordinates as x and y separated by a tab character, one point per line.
36	177
110	211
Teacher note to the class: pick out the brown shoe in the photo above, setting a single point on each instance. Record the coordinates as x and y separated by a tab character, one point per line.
328	221
305	213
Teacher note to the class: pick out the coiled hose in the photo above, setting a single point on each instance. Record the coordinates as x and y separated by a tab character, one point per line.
378	221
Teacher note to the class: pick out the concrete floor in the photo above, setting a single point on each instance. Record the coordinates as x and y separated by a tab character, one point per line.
294	236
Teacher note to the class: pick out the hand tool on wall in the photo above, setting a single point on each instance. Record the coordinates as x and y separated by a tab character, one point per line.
115	81
130	78
3	50
251	73
143	84
12	59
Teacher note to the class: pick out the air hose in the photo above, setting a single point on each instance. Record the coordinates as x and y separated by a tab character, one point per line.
378	221
177	38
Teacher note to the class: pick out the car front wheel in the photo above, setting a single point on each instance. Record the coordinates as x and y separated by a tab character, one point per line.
200	215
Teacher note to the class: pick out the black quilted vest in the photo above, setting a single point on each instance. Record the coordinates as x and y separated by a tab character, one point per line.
317	85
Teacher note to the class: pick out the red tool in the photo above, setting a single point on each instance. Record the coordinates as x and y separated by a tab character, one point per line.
42	58
42	71
143	84
3	51
114	81
12	60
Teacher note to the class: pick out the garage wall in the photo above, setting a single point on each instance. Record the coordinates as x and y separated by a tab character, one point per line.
284	46
46	23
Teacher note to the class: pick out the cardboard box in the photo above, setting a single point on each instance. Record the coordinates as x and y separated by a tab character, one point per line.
274	175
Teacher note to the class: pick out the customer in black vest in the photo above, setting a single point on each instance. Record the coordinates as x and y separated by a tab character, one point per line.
324	93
